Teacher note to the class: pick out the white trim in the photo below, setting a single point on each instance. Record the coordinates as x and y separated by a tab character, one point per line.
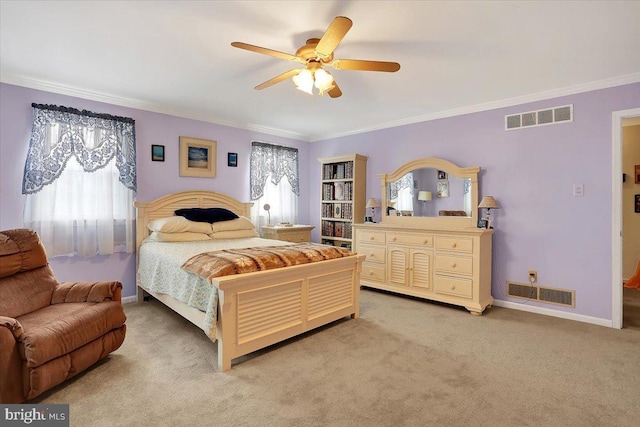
616	213
128	300
156	108
140	105
509	102
553	313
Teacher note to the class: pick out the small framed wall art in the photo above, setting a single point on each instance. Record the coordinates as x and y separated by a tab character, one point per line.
637	203
157	153
232	160
637	174
198	157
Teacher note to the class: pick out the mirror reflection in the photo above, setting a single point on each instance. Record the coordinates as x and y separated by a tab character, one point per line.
429	192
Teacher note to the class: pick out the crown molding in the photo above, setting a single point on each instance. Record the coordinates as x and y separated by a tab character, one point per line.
508	102
140	105
156	108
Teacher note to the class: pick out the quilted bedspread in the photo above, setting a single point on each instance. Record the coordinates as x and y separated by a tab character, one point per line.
245	260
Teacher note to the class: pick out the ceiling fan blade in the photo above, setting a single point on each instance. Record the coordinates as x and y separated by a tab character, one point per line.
335	92
333	36
357	64
278	79
265	51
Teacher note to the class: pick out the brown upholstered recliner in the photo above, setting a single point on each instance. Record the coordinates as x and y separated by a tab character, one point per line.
49	331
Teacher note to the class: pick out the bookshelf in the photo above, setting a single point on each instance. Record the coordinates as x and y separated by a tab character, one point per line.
343	195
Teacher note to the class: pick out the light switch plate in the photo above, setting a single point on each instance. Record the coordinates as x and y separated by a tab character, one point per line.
578	190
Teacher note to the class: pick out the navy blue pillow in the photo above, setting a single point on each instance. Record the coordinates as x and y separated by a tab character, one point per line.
210	215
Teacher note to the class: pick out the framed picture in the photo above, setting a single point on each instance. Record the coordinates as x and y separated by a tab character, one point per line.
483	223
443	188
338	191
337	210
232	160
637	203
157	153
198	157
442	175
637	174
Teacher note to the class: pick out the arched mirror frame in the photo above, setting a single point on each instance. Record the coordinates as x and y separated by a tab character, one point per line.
440	221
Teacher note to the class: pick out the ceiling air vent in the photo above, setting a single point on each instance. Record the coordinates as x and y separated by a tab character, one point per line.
544	117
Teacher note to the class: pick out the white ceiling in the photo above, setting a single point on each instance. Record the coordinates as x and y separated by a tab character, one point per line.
175	57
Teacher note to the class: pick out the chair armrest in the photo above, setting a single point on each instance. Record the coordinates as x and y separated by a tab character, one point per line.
87	292
12	325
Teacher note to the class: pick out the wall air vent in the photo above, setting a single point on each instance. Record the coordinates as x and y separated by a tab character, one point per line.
557	296
544	294
522	290
548	116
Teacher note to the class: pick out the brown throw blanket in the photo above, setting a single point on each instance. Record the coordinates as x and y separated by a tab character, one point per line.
237	261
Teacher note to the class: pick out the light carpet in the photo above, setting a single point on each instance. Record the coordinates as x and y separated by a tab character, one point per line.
404	362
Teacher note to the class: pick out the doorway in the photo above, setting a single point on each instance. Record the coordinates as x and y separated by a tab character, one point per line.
616	223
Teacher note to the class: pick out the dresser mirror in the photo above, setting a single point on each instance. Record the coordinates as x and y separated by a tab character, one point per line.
431	191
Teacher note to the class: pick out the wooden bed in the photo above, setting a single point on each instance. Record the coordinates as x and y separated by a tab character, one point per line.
259	309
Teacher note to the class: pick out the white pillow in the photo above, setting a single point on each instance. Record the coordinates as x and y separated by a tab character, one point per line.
178	224
234	234
159	236
240	223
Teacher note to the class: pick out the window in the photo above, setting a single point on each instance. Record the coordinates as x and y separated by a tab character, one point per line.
80	181
274	181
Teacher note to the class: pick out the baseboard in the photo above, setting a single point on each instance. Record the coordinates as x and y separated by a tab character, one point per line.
127	300
554	313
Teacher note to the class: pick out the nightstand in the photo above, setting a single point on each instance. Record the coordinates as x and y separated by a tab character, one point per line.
295	233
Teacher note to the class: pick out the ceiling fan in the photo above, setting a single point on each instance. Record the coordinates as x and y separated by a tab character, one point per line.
316	54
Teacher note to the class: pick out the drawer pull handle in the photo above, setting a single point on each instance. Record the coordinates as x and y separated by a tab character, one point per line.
453	265
371	238
393	240
426	241
371	273
452	287
454	245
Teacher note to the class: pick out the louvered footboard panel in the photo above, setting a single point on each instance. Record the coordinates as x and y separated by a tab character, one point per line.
265	311
330	293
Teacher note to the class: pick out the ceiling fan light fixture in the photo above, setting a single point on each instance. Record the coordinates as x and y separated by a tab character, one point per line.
304	81
323	81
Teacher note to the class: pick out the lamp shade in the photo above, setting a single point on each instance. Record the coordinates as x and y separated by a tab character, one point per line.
424	195
488	202
372	203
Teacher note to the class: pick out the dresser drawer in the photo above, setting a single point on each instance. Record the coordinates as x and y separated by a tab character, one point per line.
374	253
454	286
454	264
375	237
410	239
296	237
373	272
454	244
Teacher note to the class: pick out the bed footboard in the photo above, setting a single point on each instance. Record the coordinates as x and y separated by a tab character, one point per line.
260	309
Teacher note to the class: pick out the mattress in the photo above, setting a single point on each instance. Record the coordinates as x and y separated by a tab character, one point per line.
159	271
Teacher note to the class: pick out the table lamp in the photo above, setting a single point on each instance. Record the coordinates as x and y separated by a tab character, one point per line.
371	203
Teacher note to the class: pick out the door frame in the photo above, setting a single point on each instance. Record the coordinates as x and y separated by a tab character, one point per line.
616	217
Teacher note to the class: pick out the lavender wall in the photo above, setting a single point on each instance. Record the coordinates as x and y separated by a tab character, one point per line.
155	179
540	225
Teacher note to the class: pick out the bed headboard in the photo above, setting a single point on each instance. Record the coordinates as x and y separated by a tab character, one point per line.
166	205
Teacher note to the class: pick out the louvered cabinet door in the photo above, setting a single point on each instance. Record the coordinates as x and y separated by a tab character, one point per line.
420	267
398	265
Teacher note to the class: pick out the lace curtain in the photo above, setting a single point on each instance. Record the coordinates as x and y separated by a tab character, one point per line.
270	164
80	181
401	193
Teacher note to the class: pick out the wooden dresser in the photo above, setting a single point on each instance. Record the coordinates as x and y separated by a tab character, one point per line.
447	265
419	253
294	233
